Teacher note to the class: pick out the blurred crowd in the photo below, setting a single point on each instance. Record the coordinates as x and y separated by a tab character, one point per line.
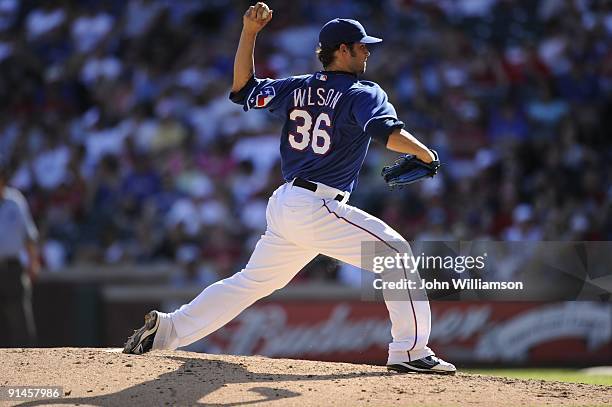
115	122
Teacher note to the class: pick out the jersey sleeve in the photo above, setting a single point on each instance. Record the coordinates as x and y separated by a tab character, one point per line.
264	93
28	224
375	115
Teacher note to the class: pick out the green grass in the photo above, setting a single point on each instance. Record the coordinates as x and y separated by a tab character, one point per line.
561	375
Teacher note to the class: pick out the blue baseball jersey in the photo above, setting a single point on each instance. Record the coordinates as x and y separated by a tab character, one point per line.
329	121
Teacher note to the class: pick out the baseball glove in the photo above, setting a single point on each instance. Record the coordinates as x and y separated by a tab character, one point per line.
408	169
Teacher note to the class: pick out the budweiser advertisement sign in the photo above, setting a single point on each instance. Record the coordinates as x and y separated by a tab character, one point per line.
520	333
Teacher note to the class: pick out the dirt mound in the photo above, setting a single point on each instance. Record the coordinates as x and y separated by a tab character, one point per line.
106	377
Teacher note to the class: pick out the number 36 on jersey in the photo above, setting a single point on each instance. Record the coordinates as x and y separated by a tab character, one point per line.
306	134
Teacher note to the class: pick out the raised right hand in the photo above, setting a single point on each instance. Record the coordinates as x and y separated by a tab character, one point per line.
256	18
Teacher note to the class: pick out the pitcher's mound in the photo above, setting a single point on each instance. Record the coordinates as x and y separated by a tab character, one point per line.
106	377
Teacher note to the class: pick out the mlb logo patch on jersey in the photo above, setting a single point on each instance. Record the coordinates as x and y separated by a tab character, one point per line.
265	96
321	77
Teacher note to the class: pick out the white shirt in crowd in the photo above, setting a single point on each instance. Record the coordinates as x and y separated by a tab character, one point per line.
16	224
39	22
88	31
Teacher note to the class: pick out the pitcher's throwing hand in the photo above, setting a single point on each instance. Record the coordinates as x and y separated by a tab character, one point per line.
256	17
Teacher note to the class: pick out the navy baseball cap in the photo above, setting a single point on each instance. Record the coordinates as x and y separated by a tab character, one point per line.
344	30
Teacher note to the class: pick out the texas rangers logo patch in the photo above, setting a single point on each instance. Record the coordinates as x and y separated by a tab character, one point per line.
265	96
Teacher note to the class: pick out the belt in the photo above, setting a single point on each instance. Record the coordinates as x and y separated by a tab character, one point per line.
311	186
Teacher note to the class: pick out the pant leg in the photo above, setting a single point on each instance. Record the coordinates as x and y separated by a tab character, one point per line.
20	320
16	303
341	230
274	262
28	312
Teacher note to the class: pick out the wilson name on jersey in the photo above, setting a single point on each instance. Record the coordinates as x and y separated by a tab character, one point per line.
306	97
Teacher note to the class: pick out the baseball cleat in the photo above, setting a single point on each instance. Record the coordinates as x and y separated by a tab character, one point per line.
429	364
142	339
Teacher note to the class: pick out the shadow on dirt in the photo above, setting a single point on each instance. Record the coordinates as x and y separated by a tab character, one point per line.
195	379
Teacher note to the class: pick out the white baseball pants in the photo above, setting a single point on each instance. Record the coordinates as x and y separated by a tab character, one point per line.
301	224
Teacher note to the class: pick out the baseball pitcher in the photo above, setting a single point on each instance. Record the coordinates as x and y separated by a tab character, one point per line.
329	120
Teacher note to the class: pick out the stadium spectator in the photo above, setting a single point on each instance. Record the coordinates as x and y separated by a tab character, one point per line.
18	238
118	115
